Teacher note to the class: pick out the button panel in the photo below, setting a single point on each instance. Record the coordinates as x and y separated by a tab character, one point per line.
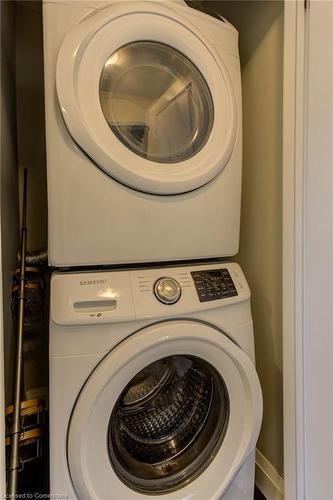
213	284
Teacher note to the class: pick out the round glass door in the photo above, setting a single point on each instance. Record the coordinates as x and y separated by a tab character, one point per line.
168	424
156	102
175	402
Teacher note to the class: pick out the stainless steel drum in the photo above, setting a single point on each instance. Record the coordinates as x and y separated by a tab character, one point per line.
168	424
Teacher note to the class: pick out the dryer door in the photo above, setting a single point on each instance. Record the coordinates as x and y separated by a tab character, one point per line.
147	98
174	409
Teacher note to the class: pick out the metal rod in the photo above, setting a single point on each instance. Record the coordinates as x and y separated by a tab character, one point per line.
14	463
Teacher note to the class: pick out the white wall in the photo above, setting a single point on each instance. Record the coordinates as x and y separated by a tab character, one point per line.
318	251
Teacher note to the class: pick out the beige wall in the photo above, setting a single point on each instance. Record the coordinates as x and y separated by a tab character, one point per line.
261	227
9	190
260	24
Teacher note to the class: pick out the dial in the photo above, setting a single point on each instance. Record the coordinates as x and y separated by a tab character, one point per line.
167	290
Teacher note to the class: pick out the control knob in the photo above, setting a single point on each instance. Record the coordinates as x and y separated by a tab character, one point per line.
167	290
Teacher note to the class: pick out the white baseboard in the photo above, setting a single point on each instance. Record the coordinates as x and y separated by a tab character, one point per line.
268	480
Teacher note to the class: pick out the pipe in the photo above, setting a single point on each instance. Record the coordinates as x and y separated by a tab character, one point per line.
14	463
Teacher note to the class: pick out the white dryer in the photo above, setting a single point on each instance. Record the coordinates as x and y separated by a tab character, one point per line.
143	130
153	388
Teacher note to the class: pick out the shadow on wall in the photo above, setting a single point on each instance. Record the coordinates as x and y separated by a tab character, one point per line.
243	14
9	183
260	26
31	117
268	364
261	223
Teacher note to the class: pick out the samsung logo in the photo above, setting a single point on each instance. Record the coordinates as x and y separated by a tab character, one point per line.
93	282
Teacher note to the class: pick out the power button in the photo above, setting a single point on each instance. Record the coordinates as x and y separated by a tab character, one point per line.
167	290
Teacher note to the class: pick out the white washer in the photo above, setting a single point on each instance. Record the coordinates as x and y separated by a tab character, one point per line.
153	388
143	131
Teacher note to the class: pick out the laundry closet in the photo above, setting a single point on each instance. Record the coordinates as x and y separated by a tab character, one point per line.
261	45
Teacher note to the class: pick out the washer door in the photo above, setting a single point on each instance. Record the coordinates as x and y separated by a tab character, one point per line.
147	98
174	409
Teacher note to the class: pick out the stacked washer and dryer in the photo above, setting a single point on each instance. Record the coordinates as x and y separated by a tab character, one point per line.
153	388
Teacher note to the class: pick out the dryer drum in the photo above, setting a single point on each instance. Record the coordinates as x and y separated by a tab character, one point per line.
177	116
175	427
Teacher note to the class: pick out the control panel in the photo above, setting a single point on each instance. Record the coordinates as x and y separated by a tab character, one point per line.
213	284
127	295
